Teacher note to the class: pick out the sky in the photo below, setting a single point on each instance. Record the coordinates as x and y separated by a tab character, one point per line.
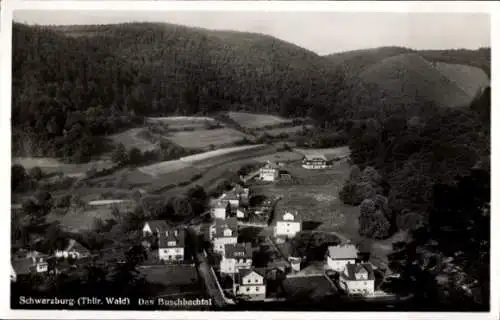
321	32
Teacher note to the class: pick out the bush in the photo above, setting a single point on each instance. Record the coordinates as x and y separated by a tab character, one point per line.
374	224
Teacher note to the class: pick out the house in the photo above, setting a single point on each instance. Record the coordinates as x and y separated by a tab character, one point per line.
250	284
243	193
154	227
220	224
269	172
287	224
73	250
241	213
339	256
314	161
295	263
236	256
171	244
221	209
26	266
358	279
16	208
226	232
285	175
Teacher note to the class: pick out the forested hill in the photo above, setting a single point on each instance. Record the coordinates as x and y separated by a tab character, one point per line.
73	84
199	70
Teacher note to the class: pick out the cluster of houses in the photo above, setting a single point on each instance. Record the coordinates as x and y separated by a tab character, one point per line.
28	262
166	243
355	278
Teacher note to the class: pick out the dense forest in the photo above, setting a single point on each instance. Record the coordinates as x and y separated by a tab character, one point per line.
428	175
71	84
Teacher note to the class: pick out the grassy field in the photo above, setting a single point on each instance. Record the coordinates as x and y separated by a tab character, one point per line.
201	139
469	79
254	121
132	139
288	131
173	279
53	165
307	288
184	123
164	167
328	152
283	156
78	220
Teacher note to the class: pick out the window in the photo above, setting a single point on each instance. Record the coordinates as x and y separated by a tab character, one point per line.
248	289
256	280
169	257
249	280
256	288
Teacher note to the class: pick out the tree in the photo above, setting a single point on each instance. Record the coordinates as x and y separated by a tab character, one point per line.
18	176
134	156
372	221
119	155
36	173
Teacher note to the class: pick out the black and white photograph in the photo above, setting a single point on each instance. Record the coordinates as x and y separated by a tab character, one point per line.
332	161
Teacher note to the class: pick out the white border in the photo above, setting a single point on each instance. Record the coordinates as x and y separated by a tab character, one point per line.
7	6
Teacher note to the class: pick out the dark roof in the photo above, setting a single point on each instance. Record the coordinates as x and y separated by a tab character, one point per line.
221	225
314	157
295	214
171	235
157	225
353	268
238	250
270	165
76	246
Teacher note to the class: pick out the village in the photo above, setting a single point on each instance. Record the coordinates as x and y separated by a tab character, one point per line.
244	249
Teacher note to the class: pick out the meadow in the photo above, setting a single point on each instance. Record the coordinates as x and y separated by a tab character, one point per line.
53	165
203	139
287	130
254	121
184	122
132	139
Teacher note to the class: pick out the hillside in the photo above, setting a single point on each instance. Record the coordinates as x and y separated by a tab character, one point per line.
208	69
73	84
355	61
410	77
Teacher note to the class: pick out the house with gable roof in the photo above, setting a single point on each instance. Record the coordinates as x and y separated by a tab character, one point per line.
154	227
171	245
225	232
314	161
269	172
250	284
236	256
341	255
288	223
29	265
221	209
358	279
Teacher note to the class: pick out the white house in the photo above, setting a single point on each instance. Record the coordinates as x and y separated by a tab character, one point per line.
226	232
26	266
236	256
339	256
171	245
221	209
73	250
269	172
250	284
358	279
314	161
154	226
288	224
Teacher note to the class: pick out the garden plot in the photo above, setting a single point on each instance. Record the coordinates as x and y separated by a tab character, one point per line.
205	139
254	121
